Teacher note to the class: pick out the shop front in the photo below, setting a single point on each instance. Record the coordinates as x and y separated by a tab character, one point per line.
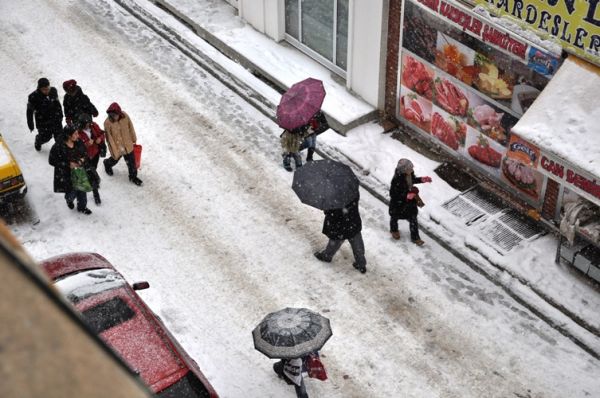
510	108
463	82
562	133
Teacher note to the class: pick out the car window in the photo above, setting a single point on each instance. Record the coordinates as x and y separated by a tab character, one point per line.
108	314
187	387
79	286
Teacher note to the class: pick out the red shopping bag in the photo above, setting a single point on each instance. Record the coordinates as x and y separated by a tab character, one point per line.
315	367
137	155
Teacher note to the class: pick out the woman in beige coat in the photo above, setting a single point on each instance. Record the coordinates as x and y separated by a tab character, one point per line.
121	137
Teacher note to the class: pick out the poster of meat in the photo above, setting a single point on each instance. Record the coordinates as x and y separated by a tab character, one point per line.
523	178
417	76
519	167
511	81
449	129
483	151
415	108
489	119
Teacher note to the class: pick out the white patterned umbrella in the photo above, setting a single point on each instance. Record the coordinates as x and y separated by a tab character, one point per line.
291	333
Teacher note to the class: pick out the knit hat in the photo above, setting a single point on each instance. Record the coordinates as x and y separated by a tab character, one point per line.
404	166
43	82
83	119
69	84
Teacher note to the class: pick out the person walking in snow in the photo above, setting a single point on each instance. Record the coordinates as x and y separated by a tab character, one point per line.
404	200
344	224
315	126
290	145
76	102
44	107
121	137
93	138
65	155
290	370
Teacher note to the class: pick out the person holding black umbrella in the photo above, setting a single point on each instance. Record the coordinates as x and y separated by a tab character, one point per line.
340	225
405	201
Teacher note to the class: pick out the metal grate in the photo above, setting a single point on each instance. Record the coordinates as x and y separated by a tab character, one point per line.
501	227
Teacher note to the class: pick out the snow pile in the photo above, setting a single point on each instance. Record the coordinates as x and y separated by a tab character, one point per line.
512	25
89	283
564	118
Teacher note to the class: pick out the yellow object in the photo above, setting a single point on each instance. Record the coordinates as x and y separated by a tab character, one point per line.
491	83
575	24
12	183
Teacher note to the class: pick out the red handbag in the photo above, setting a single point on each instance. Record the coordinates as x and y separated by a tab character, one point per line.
315	367
137	155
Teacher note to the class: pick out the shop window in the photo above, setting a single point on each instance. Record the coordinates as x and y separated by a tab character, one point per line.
319	28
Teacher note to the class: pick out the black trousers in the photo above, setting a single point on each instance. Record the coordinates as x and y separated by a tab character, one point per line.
413	225
129	160
45	134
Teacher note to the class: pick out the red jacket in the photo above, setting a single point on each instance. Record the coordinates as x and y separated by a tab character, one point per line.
93	149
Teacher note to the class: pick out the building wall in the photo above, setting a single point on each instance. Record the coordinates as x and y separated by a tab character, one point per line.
367	40
367	52
266	16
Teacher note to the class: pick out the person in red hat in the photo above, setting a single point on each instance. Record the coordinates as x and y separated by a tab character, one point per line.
76	102
121	138
93	138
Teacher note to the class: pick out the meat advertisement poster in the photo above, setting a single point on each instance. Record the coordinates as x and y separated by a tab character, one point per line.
463	87
519	167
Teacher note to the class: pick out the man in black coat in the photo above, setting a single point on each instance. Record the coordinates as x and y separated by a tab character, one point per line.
76	102
403	200
43	106
344	224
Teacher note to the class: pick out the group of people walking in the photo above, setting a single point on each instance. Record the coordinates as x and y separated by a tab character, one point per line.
80	143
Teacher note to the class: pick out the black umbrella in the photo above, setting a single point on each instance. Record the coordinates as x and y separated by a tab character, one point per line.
325	184
291	333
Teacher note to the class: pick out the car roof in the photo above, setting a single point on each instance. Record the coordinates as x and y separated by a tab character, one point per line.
141	340
65	264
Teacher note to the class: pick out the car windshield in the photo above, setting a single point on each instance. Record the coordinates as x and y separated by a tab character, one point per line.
85	284
187	387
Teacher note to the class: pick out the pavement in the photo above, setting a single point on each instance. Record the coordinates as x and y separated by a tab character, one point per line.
556	293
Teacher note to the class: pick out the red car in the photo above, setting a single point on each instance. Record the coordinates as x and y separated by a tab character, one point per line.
112	309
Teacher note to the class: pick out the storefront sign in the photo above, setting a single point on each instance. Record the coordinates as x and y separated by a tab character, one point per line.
470	22
575	23
582	183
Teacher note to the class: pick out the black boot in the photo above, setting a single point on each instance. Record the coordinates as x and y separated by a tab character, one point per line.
97	197
309	155
287	162
107	168
136	181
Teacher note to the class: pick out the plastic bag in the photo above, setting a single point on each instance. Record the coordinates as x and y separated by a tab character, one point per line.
315	367
137	155
79	180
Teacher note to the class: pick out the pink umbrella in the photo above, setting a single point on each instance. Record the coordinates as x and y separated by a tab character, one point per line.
300	103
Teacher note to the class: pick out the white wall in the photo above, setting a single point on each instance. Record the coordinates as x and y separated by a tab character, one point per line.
366	50
266	16
367	27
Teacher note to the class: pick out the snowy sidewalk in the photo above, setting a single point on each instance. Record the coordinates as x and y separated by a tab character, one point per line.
216	22
527	272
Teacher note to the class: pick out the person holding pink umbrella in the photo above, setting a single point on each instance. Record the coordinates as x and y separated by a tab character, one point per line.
299	113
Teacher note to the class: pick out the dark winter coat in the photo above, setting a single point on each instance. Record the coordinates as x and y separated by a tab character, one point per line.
77	104
46	109
399	206
342	223
60	157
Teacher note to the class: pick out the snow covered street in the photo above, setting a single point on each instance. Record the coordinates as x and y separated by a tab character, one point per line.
222	239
